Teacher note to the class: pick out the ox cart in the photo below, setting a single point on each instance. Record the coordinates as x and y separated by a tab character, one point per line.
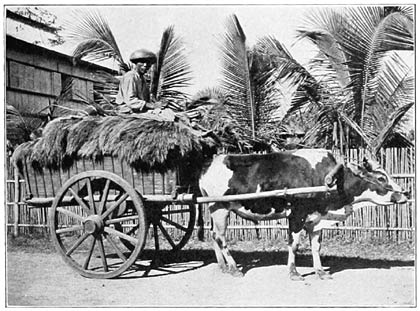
101	210
112	207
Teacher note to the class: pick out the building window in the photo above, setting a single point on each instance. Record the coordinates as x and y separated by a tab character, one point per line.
67	85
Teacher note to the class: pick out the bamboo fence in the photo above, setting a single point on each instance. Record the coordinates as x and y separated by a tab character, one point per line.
395	222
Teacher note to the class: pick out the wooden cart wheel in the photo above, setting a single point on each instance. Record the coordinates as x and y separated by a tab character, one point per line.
174	223
90	216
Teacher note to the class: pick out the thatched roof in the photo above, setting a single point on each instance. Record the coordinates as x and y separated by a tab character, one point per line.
144	143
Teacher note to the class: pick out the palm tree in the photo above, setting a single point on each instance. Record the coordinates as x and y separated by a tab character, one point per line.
363	87
95	42
254	79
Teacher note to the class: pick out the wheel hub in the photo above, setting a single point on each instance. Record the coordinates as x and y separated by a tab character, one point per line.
93	224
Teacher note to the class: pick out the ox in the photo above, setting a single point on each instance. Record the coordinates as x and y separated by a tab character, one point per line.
240	174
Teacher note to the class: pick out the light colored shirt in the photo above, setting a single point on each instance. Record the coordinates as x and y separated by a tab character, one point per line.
133	90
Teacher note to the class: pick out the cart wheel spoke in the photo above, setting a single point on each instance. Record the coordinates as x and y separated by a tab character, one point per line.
77	244
131	232
176	225
90	195
80	201
104	197
102	253
92	247
122	235
183	222
115	247
121	219
167	236
114	206
156	235
70	213
69	229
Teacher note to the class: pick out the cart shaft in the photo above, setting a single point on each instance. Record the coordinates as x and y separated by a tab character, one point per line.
190	198
263	194
156	198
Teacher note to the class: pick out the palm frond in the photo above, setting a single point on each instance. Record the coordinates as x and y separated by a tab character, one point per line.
283	74
20	125
320	85
105	87
322	29
389	128
13	115
267	91
320	133
172	71
377	32
407	10
236	81
355	127
399	28
274	55
94	38
395	83
395	89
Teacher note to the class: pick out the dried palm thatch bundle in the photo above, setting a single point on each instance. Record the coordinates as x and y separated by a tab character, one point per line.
49	150
79	133
142	142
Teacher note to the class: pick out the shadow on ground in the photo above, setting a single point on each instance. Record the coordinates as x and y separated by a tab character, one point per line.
167	262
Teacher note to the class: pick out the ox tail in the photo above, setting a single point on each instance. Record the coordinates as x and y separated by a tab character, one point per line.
200	223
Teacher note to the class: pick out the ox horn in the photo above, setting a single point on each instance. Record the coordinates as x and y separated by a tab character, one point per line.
331	176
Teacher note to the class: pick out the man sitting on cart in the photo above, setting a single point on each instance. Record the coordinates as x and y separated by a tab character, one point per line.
133	93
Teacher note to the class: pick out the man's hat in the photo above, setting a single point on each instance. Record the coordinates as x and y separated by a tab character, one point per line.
142	55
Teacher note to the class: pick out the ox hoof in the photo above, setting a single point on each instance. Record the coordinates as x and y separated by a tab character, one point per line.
232	271
224	268
295	276
323	275
235	272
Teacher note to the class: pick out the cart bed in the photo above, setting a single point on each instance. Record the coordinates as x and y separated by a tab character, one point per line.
45	182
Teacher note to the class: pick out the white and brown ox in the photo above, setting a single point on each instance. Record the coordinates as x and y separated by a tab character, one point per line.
239	174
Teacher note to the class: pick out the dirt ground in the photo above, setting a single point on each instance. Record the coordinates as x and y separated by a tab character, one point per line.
375	275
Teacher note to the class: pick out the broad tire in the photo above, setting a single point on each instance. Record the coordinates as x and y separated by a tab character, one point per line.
87	232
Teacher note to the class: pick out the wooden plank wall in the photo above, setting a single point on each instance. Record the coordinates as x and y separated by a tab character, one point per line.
34	77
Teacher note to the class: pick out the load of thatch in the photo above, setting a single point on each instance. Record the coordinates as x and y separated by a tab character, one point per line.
144	143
